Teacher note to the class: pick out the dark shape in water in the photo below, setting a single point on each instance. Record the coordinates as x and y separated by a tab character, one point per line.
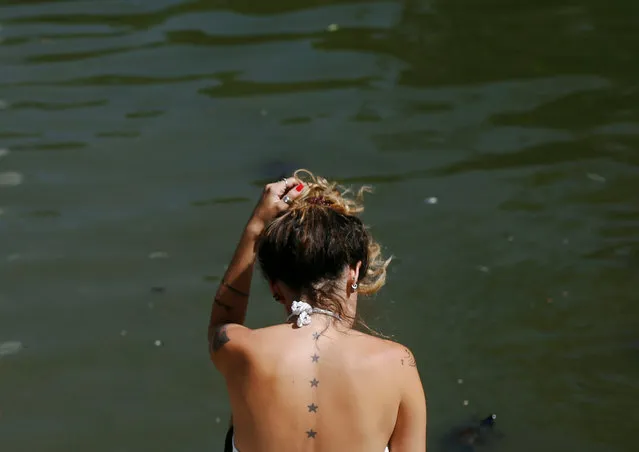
158	289
275	170
466	438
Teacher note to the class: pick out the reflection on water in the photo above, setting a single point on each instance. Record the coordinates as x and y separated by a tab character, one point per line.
9	348
501	140
10	178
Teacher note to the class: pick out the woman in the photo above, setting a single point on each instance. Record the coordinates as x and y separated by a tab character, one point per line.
313	382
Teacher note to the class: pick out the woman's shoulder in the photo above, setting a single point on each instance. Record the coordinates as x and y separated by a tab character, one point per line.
379	340
383	350
387	349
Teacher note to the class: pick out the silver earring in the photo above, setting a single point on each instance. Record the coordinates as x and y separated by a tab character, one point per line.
354	286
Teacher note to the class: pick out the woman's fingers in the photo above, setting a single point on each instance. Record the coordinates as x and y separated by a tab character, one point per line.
276	189
280	188
278	196
290	195
289	182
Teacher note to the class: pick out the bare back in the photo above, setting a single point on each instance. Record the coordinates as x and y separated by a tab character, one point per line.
313	387
319	389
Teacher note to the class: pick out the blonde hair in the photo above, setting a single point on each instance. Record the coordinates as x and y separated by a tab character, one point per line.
319	191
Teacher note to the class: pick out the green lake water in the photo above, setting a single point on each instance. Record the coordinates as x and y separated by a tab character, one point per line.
502	139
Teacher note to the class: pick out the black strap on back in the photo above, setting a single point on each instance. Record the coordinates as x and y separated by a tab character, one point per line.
228	442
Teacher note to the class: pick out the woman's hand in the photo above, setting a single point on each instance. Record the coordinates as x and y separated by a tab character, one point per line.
276	198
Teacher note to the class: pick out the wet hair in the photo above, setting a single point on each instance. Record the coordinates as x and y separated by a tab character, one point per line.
310	245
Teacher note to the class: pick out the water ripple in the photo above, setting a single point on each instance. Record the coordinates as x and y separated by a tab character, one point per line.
231	87
58	106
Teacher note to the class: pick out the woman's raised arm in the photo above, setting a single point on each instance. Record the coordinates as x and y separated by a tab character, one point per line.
231	299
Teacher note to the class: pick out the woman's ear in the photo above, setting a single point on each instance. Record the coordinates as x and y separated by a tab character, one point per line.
277	294
354	272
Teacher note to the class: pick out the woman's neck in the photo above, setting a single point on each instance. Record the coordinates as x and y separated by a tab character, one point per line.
303	313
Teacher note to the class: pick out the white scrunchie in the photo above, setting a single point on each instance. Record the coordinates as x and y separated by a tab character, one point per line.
303	312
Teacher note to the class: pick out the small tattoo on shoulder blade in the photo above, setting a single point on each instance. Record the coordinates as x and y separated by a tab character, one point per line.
408	358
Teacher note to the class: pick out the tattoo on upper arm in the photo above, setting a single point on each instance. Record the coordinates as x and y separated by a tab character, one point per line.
234	290
220	338
227	307
408	359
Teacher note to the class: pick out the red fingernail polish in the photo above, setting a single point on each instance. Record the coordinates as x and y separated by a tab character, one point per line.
299	187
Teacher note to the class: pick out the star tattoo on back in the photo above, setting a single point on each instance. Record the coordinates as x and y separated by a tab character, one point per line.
311	434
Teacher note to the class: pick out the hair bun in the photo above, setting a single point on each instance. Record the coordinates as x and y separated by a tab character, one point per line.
319	200
320	192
